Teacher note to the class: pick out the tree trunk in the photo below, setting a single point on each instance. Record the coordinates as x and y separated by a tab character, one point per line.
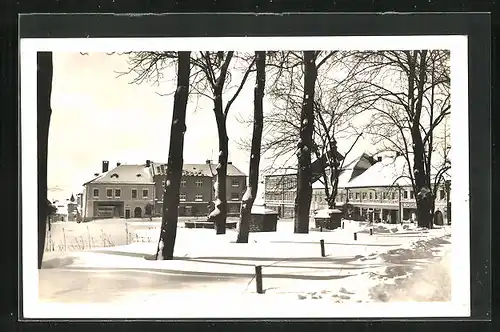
169	220
422	186
258	124
305	146
44	111
219	215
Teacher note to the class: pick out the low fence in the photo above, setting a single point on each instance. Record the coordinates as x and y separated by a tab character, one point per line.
63	240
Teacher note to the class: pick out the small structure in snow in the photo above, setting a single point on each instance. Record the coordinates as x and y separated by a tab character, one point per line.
263	219
328	218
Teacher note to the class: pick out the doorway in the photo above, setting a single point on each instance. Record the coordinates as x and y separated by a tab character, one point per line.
438	218
137	212
127	214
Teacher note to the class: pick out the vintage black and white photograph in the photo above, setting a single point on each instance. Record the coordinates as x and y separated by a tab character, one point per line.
246	177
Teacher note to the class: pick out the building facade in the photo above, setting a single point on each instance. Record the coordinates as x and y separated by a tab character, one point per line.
126	191
280	190
197	192
383	193
368	189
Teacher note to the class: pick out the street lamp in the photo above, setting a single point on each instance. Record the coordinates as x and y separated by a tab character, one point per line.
447	186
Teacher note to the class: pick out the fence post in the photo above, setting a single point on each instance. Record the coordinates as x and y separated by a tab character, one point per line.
322	244
258	279
371	231
342	225
126	231
64	239
355	236
90	241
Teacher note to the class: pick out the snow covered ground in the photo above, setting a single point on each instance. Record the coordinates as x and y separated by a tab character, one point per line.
396	263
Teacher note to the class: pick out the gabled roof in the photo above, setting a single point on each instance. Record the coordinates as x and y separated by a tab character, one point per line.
196	169
388	172
362	161
125	174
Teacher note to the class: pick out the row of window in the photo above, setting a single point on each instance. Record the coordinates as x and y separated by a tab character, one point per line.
116	193
199	183
199	197
390	195
341	197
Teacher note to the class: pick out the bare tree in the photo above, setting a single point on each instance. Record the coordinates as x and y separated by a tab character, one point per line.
166	243
305	145
44	112
253	181
413	100
214	68
210	78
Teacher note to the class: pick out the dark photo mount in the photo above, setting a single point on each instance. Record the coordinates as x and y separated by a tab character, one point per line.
475	26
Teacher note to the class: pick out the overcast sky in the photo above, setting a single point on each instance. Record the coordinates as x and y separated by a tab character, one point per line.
97	116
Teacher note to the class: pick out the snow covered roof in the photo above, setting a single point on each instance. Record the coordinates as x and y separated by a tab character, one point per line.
196	169
362	161
388	172
133	174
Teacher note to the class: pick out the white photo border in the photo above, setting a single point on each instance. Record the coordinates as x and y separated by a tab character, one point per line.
460	306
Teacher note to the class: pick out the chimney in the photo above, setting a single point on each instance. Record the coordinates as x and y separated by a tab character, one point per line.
118	164
208	161
148	163
105	166
379	159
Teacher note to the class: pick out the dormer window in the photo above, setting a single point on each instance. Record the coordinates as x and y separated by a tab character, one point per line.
114	175
138	175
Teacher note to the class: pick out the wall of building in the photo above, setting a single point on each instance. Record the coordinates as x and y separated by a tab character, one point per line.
190	201
377	203
123	202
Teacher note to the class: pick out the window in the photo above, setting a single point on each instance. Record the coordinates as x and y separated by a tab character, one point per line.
393	195
198	198
384	195
357	195
109	193
405	194
364	195
118	193
96	192
350	195
199	183
412	195
371	195
134	193
145	193
235	183
376	195
441	194
183	183
234	208
182	197
235	196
